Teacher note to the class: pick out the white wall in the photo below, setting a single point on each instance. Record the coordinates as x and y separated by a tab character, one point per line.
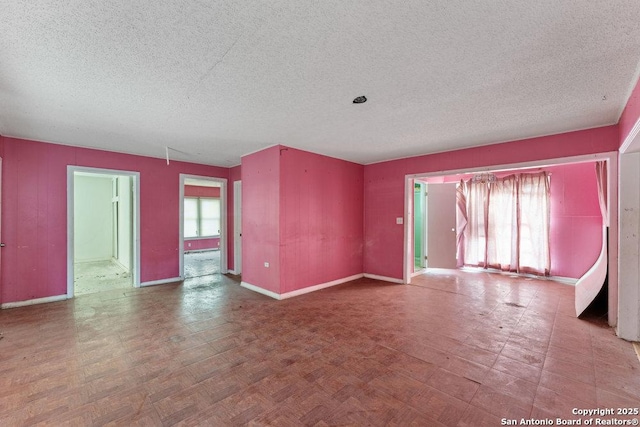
125	218
93	228
629	244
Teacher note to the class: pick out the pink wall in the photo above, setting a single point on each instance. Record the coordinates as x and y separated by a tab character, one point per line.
261	219
576	222
200	244
575	219
302	213
199	191
206	243
321	211
34	214
630	114
234	175
384	184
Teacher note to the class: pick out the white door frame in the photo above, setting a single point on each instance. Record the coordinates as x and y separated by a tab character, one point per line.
237	227
223	220
1	228
612	193
135	268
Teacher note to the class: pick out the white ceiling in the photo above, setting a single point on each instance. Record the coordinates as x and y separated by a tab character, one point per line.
214	80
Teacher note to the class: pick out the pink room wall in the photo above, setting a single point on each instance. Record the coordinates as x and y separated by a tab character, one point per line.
576	222
196	244
234	175
34	214
200	191
630	114
384	184
201	244
261	219
321	211
575	219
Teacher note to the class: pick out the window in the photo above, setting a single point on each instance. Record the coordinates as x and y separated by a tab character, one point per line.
505	223
201	217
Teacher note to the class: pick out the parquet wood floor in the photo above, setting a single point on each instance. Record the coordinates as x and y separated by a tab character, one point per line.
454	349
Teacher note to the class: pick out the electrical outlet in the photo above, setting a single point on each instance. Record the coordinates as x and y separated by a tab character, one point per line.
399	220
266	264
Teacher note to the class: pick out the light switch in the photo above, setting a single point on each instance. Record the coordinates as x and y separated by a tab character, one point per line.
266	264
399	220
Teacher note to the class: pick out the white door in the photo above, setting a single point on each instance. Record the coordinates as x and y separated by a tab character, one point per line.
441	219
237	227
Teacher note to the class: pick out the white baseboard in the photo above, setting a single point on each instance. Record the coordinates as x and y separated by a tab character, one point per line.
564	280
85	261
34	301
259	290
119	264
419	272
383	278
232	272
193	251
161	281
300	291
320	286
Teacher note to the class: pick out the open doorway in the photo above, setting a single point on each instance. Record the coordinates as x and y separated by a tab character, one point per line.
419	226
237	227
202	227
103	229
575	219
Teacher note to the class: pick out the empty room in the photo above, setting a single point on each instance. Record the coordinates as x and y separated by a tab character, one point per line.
320	213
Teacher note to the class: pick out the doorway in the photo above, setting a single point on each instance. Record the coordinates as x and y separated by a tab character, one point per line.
103	230
202	227
237	227
442	177
419	226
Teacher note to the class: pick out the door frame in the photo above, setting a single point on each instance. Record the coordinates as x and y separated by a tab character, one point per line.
223	221
237	227
1	243
135	176
612	194
423	194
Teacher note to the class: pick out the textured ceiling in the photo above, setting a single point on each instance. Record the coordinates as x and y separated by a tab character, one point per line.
214	80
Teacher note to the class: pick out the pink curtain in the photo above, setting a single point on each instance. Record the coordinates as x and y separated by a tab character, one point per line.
533	213
601	175
502	234
461	220
475	233
508	224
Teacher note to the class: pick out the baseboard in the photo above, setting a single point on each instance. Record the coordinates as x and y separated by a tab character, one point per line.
564	280
119	264
85	261
300	291
259	290
419	272
383	278
232	272
560	279
193	251
161	281
320	286
33	301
